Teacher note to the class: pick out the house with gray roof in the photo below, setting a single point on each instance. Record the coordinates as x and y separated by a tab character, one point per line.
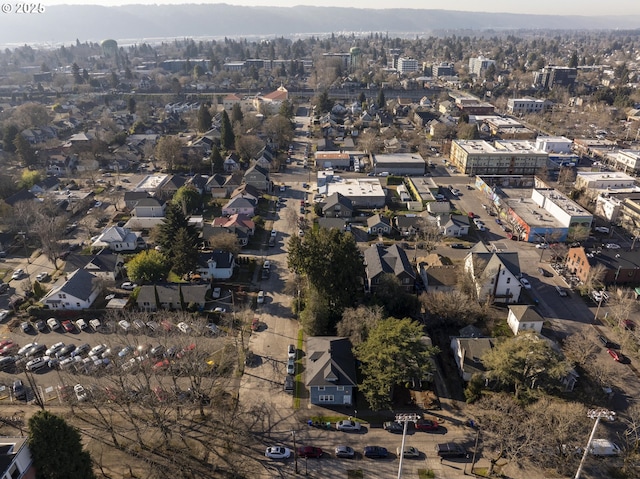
378	225
171	296
106	265
131	198
216	265
523	318
149	207
75	291
330	371
117	238
496	275
258	177
216	186
337	206
239	206
380	260
468	353
456	226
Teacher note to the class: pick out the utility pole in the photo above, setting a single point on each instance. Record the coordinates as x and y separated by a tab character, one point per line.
596	414
295	451
405	419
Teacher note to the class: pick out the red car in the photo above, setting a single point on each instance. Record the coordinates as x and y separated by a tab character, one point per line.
309	451
68	326
8	349
255	324
4	342
427	425
615	355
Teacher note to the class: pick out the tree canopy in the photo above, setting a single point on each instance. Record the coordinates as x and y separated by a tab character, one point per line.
393	353
331	262
227	137
56	448
148	266
187	198
178	239
204	118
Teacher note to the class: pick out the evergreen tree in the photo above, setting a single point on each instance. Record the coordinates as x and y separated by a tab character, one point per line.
24	151
131	105
8	136
204	118
217	162
236	113
382	101
227	137
184	253
56	449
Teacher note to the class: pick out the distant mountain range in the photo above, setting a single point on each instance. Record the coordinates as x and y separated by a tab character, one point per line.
66	23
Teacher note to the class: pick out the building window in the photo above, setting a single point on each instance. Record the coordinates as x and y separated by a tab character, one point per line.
508	280
63	296
78	305
339	388
320	388
326	398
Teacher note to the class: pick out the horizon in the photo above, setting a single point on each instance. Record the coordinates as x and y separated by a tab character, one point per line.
542	7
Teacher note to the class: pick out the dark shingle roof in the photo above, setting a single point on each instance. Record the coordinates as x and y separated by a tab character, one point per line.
330	362
392	259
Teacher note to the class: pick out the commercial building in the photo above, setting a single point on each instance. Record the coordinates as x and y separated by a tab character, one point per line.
478	65
401	164
627	161
621	267
552	76
606	181
501	157
15	458
554	144
407	65
332	159
423	188
521	106
443	70
363	192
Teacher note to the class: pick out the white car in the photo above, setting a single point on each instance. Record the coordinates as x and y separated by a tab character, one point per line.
267	264
128	286
278	452
184	327
217	292
612	246
125	325
291	366
348	425
260	297
42	276
17	274
81	324
81	393
3	314
542	245
54	349
601	229
53	324
525	283
37	363
291	352
274	233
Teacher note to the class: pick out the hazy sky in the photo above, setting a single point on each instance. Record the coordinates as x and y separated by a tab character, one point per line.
552	7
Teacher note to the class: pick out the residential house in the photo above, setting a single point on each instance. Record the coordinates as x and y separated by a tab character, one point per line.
149	207
524	318
106	265
198	181
216	265
266	158
408	225
495	274
117	238
239	205
378	225
231	162
337	206
15	458
247	191
334	223
380	260
60	165
167	188
215	186
468	353
172	296
21	195
49	184
258	177
443	278
456	226
621	267
75	291
239	225
131	198
330	371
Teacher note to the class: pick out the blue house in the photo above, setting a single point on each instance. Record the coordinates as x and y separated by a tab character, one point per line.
331	371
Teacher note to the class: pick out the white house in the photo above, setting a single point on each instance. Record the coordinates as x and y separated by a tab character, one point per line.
216	265
239	205
456	226
495	275
149	207
524	318
117	238
78	290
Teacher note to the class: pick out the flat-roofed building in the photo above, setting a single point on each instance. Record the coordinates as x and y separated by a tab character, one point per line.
501	157
554	144
627	161
332	159
521	106
423	188
611	181
363	192
401	164
407	65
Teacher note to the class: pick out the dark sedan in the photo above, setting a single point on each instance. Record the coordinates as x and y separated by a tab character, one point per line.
375	452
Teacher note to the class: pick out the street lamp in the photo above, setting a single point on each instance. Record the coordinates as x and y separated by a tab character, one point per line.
599	304
404	419
596	414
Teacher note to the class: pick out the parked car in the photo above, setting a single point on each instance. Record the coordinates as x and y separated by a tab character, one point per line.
612	246
291	366
291	352
81	393
126	351
68	326
615	355
525	283
42	276
65	351
260	297
393	426
184	327
601	229
128	286
25	326
309	451
217	292
605	341
54	349
427	425
17	274
19	392
81	324
345	452
37	363
278	452
408	452
562	292
35	350
41	326
124	325
451	449
255	324
348	425
53	324
545	273
375	452
542	245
